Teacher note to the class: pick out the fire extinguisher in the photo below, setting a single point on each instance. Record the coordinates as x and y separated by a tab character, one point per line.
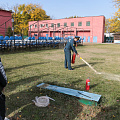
87	84
73	58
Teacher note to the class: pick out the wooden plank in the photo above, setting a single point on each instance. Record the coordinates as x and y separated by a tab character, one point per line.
68	91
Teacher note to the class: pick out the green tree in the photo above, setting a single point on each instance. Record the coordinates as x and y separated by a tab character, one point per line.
113	23
71	17
25	13
9	32
117	3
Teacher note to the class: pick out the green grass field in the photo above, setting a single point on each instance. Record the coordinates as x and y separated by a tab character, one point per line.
27	69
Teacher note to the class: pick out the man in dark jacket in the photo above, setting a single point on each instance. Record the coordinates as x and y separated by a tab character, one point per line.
67	50
3	83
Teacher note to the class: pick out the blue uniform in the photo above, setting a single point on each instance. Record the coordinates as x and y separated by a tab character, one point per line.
67	50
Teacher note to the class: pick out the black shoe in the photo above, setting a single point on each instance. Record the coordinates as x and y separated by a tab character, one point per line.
70	69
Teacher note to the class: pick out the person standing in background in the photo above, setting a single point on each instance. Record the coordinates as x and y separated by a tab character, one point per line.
67	50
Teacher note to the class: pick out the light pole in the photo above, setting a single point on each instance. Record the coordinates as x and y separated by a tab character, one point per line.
13	26
5	28
13	30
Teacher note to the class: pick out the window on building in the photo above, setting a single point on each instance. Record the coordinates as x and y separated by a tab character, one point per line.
30	26
35	34
46	25
41	25
65	24
88	23
72	23
52	25
79	23
35	26
58	24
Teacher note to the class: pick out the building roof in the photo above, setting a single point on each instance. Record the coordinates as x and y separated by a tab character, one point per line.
80	17
6	10
69	18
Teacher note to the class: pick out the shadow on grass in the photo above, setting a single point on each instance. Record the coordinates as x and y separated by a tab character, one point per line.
64	107
92	86
23	66
13	84
83	65
109	113
20	106
25	50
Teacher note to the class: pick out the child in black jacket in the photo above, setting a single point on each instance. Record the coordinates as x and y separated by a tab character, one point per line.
3	83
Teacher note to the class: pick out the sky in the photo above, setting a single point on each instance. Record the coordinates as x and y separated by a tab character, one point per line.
58	9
